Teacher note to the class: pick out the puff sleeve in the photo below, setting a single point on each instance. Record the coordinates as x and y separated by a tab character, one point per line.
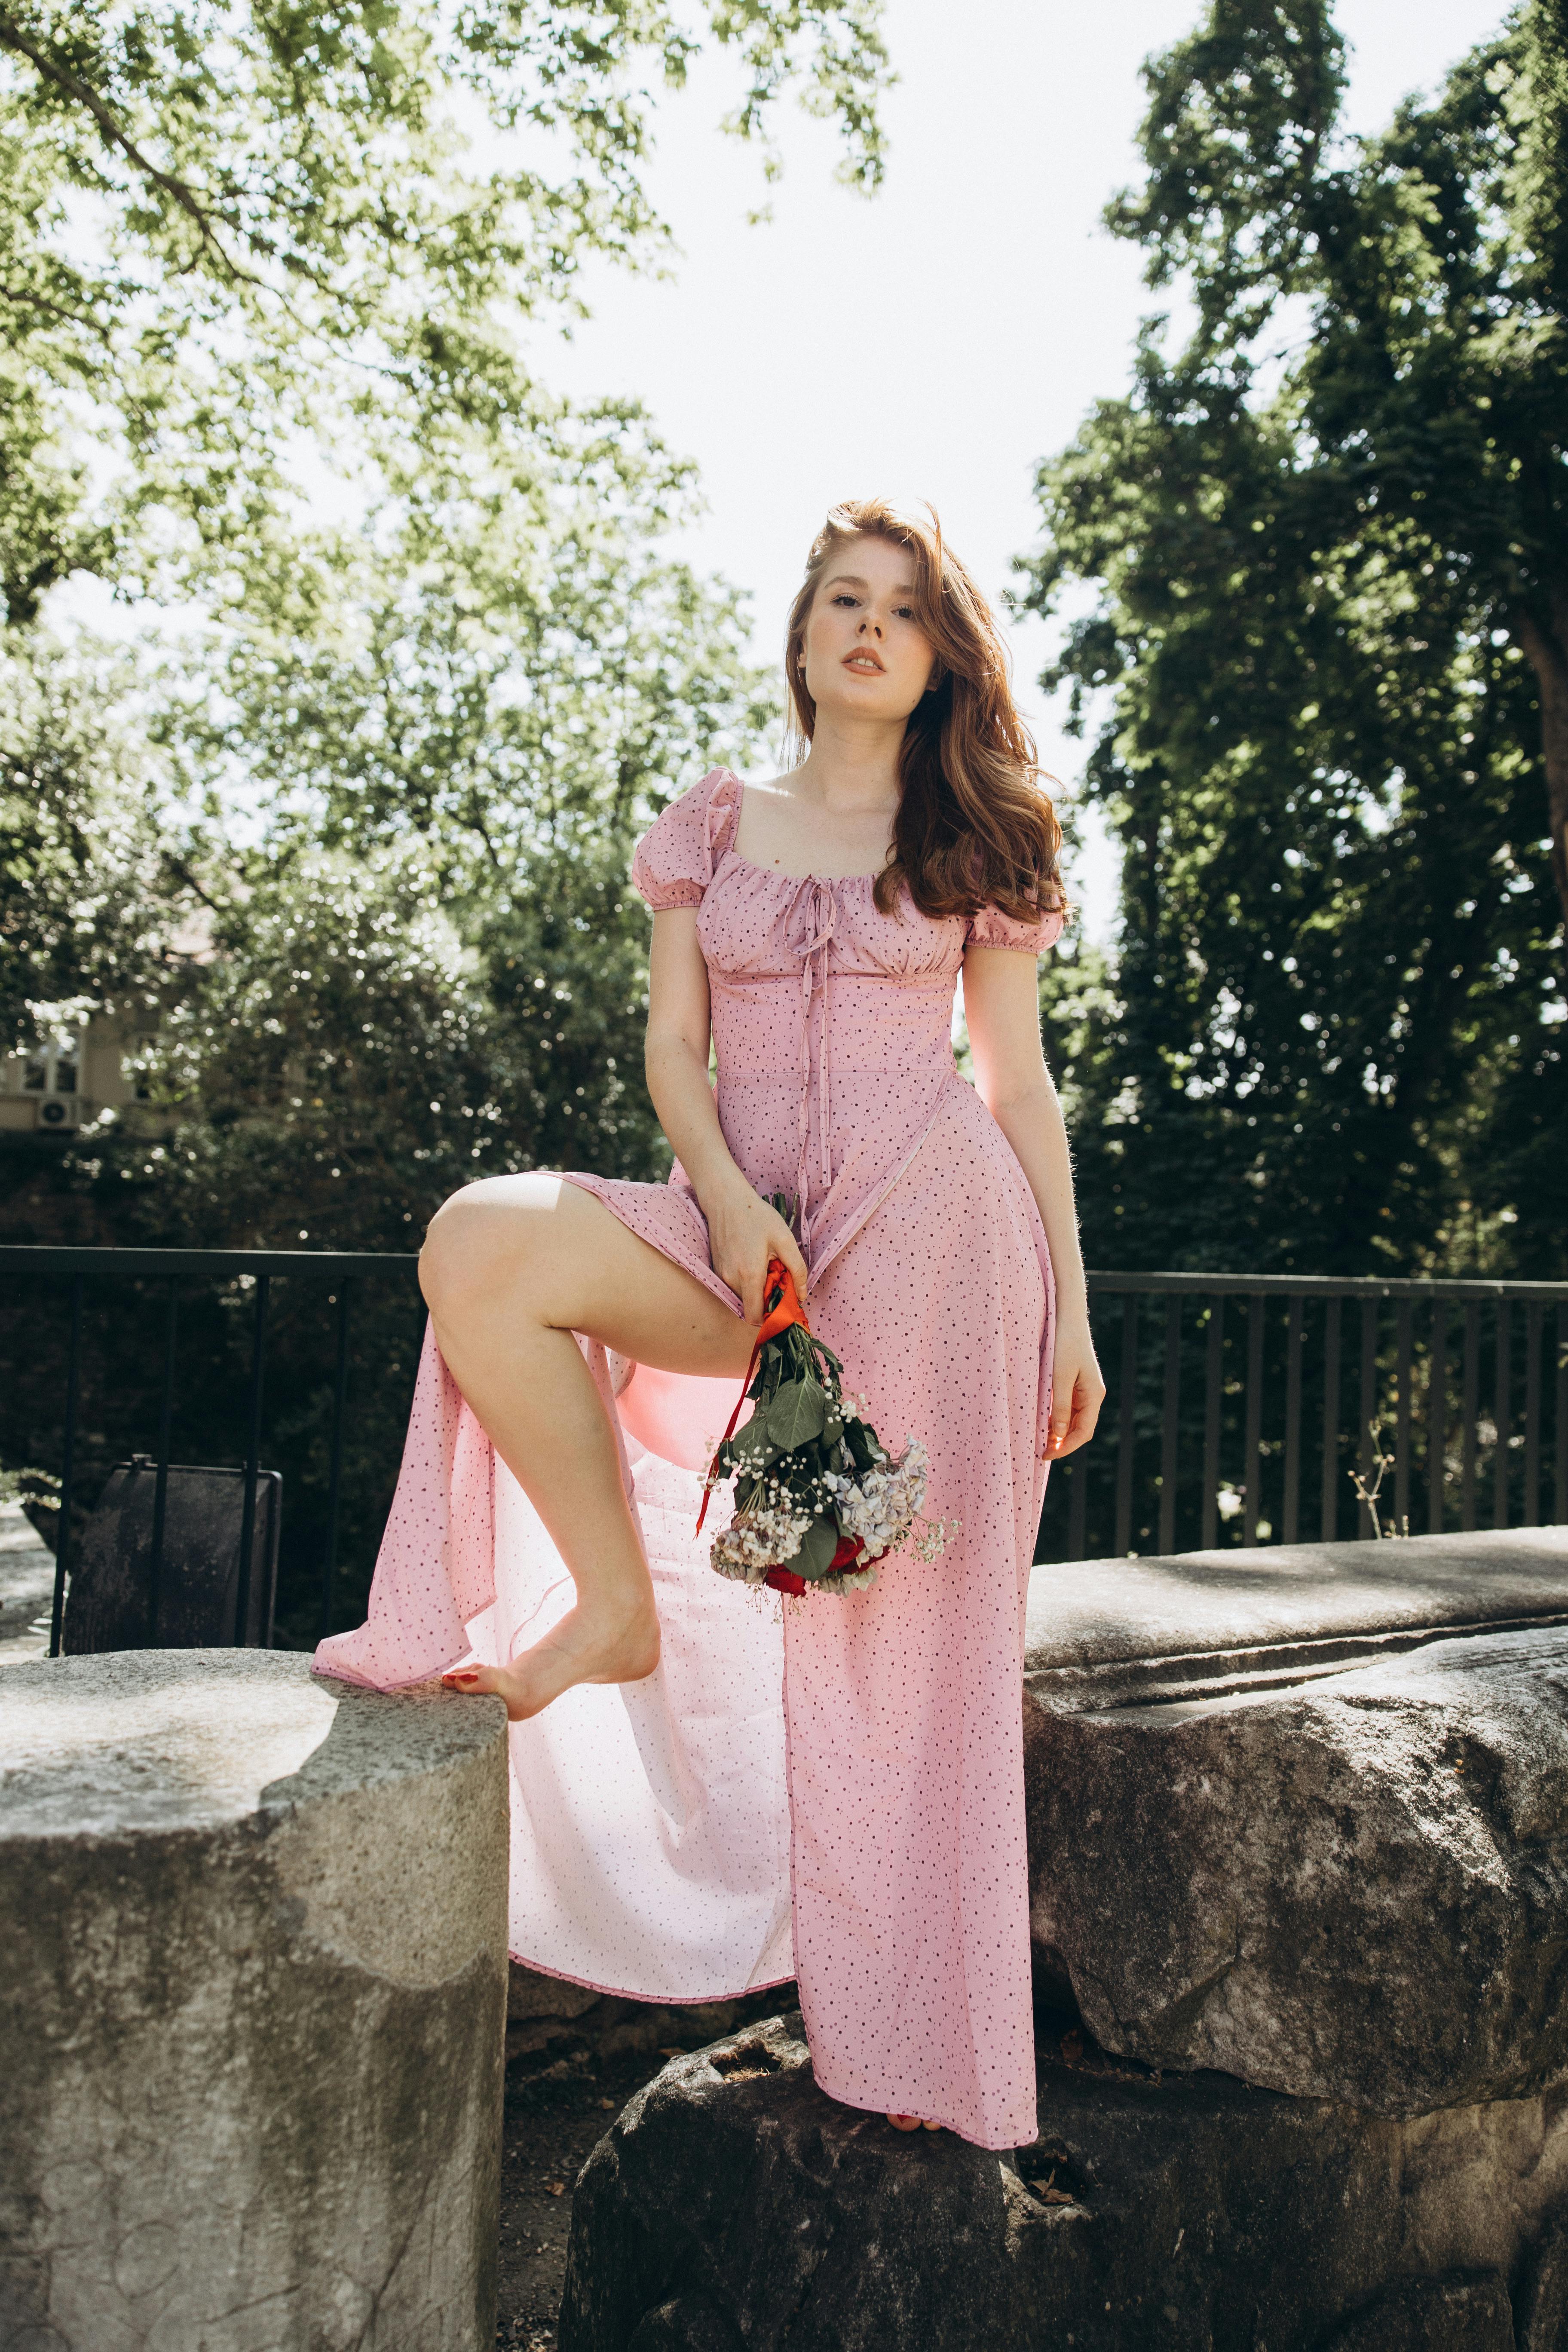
992	928
673	863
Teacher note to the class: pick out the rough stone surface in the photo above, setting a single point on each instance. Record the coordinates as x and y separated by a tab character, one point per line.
732	2208
1320	1843
1244	1618
531	1995
253	1939
545	2012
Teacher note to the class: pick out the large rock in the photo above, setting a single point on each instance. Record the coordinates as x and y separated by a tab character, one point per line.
1303	1816
733	2208
1220	1620
253	1944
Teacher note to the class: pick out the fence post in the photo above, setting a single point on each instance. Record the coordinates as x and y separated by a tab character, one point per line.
67	1474
252	1462
335	1472
1329	1501
1213	1402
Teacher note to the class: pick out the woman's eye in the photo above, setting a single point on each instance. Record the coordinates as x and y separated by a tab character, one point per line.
844	600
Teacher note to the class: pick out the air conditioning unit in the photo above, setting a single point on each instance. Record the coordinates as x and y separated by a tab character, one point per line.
56	1114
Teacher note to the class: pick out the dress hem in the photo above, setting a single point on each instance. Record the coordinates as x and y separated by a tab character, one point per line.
655	2000
863	2107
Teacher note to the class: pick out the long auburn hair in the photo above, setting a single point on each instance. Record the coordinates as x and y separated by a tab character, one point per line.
974	826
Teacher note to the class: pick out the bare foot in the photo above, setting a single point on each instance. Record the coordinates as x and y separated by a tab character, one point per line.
601	1647
911	2123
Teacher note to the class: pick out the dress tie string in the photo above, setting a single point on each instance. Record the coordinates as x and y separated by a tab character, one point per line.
821	904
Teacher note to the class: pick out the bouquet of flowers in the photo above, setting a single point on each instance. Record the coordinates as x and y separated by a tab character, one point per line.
819	1497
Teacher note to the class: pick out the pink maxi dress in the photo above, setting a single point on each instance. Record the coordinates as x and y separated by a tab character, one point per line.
831	1790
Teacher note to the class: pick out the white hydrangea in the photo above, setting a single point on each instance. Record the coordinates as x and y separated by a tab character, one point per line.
847	1579
757	1540
882	1505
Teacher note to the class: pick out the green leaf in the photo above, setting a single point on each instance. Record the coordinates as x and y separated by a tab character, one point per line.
750	1448
817	1547
859	1444
796	1414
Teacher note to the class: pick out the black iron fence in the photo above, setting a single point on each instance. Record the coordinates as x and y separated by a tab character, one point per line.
1252	1408
295	1361
1242	1409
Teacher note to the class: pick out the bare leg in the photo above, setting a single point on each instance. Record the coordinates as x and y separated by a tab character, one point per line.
512	1267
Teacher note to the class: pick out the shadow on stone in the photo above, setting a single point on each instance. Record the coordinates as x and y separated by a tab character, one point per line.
1450	2315
733	2204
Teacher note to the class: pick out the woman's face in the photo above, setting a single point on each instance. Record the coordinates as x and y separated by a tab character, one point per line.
866	653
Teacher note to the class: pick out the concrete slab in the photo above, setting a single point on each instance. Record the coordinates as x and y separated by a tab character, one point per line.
253	1938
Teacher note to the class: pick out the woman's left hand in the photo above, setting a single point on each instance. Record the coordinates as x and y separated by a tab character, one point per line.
1077	1390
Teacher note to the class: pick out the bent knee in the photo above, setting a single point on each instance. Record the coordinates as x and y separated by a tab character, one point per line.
497	1228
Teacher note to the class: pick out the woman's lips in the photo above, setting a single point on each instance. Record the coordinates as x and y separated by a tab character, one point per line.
863	661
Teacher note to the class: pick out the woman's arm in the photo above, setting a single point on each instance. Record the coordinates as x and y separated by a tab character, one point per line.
1001	1005
744	1233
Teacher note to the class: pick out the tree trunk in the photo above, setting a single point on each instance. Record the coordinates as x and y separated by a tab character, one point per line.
1545	645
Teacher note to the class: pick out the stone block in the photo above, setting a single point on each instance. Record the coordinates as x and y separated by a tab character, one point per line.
253	1939
1248	1617
733	2208
1306	1820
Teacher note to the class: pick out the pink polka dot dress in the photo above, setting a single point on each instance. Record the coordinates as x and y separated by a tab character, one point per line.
844	1803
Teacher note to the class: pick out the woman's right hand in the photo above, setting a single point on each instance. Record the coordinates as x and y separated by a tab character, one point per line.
744	1233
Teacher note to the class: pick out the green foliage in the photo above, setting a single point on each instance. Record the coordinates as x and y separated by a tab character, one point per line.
92	893
426	963
1328	534
236	234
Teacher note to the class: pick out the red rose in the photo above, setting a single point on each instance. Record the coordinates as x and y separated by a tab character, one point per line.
784	1580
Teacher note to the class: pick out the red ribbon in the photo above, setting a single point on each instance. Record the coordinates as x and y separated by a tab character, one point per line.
788	1310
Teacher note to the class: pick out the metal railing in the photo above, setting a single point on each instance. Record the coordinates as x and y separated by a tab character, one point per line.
1270	1425
178	1275
1221	1426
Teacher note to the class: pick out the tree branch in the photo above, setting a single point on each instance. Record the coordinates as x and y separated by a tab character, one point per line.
20	296
179	192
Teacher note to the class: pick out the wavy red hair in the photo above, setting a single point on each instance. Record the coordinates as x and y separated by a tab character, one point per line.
974	826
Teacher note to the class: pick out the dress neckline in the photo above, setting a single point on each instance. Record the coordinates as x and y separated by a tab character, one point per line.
773	872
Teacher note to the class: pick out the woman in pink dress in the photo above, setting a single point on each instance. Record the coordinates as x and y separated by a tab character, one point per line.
680	1822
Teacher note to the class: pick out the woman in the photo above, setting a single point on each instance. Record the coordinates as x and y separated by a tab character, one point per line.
814	928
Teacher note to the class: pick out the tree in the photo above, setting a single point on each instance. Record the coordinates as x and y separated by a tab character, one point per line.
1327	535
94	894
236	237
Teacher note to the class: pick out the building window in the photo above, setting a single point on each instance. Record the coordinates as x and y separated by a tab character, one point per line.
51	1067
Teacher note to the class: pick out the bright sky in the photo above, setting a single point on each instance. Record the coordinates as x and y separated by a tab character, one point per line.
936	341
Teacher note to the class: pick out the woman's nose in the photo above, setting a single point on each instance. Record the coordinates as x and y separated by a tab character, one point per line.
869	623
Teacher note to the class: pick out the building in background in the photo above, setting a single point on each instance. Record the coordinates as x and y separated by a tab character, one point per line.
80	1066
